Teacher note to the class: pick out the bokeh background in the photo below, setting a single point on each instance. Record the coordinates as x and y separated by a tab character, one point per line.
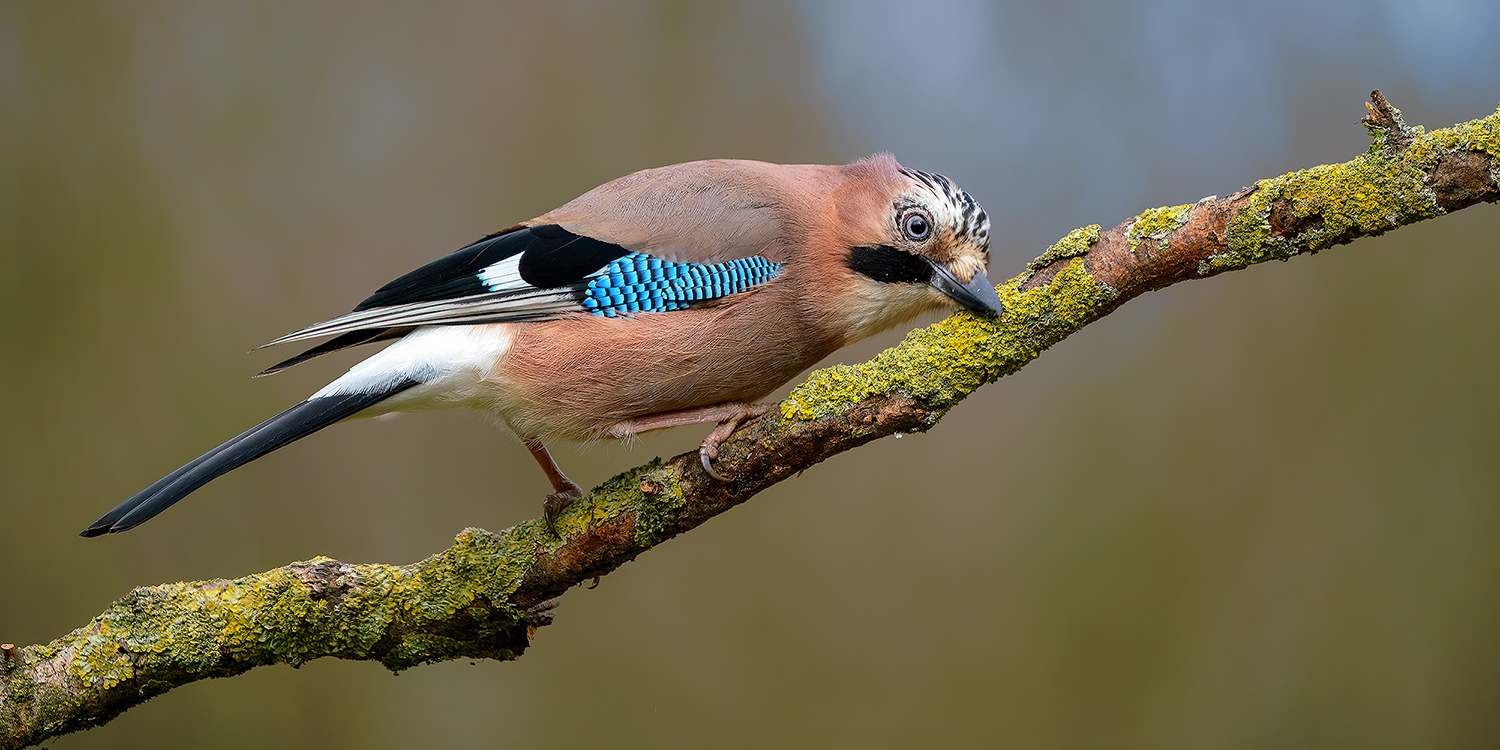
1258	510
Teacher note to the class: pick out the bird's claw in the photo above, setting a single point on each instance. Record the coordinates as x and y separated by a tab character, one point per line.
709	450
556	503
708	465
540	614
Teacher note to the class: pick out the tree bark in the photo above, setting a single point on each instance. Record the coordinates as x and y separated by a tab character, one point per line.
487	594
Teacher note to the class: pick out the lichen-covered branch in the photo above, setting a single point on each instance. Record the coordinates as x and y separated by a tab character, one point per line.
486	595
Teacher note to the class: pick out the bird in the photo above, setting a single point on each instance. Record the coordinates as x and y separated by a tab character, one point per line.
672	296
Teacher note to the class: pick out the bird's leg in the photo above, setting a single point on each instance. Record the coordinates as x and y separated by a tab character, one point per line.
566	491
729	415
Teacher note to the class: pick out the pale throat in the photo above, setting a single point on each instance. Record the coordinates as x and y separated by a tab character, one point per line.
878	306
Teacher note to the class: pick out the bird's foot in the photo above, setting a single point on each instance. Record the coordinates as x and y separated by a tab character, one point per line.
709	450
556	503
541	613
729	415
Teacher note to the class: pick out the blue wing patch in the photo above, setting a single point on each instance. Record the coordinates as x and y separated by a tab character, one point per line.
642	283
530	274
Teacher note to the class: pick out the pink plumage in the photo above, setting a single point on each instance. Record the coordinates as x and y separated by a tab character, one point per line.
670	296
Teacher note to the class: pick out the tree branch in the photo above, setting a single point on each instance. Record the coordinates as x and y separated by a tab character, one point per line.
486	595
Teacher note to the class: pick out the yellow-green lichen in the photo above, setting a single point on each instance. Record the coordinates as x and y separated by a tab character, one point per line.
1335	203
1156	224
649	492
1476	135
490	561
382	591
97	661
945	362
1074	245
447	587
659	492
52	701
300	612
175	620
424	648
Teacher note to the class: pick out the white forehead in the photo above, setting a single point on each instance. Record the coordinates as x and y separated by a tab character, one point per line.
952	206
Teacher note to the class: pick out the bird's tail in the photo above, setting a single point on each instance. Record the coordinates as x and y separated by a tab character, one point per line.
297	422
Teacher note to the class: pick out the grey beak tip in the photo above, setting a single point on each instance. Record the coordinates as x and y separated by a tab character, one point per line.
984	292
978	295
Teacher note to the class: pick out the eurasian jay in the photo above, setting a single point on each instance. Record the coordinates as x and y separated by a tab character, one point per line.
668	297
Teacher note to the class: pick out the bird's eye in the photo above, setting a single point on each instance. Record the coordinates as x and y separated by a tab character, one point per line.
916	226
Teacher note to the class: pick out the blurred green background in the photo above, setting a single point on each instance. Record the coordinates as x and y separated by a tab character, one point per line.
1255	511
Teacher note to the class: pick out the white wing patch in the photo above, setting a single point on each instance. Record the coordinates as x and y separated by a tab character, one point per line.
504	275
451	363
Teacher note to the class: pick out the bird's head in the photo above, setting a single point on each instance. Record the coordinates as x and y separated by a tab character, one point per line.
929	250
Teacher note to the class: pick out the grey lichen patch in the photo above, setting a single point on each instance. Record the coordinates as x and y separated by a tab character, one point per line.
38	691
1156	224
945	362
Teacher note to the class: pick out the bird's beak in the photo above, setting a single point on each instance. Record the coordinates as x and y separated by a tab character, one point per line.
977	295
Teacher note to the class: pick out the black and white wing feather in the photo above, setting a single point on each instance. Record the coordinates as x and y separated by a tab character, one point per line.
530	273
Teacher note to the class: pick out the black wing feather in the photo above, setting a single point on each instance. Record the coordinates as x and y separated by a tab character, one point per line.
293	424
553	257
453	291
557	257
454	275
353	338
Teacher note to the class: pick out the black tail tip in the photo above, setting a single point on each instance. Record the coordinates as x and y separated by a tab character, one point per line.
98	529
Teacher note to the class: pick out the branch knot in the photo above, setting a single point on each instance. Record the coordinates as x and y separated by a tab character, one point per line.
1384	120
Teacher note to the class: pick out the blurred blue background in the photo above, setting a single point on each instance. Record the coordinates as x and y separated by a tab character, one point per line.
1258	510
